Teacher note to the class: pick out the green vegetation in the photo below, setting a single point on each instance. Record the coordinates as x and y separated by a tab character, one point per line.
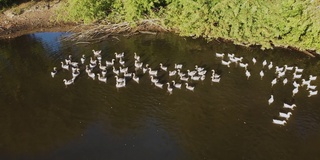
267	23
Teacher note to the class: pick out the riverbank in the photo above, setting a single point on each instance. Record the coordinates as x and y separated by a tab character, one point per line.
41	16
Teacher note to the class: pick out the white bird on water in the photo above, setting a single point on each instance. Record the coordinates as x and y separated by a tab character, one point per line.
264	63
68	82
169	89
270	66
220	55
270	100
102	79
312	93
54	72
295	91
273	82
254	60
261	74
248	74
312	78
96	53
285	115
164	68
279	122
190	88
135	78
285	105
285	81
176	85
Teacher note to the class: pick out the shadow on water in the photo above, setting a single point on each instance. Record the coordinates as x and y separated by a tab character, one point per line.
40	118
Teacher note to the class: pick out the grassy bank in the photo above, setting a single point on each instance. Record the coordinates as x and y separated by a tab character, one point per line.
268	23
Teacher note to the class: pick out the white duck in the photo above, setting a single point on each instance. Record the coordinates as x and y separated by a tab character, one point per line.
159	85
92	75
312	93
295	91
119	80
178	66
254	60
220	55
264	63
82	59
296	76
68	82
154	80
54	72
261	74
136	57
110	63
102	79
285	115
163	67
279	122
64	66
304	82
271	99
248	74
176	85
298	70
313	87
273	82
285	81
285	105
120	84
226	63
153	72
270	66
135	78
96	53
169	89
172	73
312	78
190	88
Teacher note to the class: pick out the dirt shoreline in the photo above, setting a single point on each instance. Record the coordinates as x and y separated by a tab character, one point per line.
33	17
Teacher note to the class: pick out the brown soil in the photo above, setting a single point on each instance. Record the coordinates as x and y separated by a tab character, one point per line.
32	17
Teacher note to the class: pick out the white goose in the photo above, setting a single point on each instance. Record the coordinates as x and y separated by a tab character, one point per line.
261	74
120	84
296	76
163	67
64	66
226	63
199	69
82	59
115	71
216	80
279	122
285	115
135	78
285	81
138	64
136	57
220	55
178	66
104	73
312	78
102	67
96	53
313	87
123	70
92	61
288	68
120	55
270	100
264	63
279	69
184	78
169	89
176	85
312	93
190	88
172	73
191	73
298	70
273	82
68	82
304	82
119	80
127	75
248	74
295	84
295	91
145	69
270	66
285	105
159	85
254	60
110	63
92	75
153	72
122	62
102	79
243	65
75	73
154	80
54	72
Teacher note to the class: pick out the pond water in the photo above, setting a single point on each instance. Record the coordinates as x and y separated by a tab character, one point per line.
40	118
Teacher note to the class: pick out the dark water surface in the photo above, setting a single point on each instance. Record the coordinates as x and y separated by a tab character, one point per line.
42	119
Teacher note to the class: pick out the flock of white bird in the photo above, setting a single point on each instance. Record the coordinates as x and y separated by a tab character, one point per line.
284	74
96	68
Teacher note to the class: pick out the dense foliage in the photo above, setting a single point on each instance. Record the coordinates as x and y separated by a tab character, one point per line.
263	22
